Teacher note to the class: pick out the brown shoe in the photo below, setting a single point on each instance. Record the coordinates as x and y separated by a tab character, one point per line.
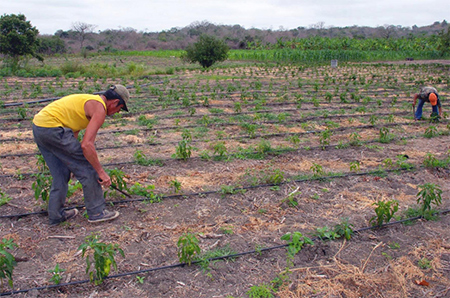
104	216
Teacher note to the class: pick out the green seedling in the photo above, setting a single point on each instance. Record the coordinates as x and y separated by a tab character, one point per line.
220	149
7	261
424	263
355	166
394	245
295	242
429	193
431	132
56	274
142	160
355	139
175	185
344	229
385	137
317	170
140	279
324	138
229	190
41	186
4	198
261	291
384	212
188	248
431	161
183	151
103	258
325	233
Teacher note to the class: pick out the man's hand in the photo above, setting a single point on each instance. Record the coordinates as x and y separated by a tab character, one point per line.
104	179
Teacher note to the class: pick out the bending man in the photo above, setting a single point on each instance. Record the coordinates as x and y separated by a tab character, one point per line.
427	94
55	131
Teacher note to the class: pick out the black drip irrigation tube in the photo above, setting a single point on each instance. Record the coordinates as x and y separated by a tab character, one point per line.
207	192
232	256
230	138
302	120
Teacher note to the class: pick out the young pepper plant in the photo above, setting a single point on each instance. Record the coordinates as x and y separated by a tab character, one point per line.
7	261
103	258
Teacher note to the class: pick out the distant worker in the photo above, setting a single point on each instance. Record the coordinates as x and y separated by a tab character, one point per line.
427	94
55	131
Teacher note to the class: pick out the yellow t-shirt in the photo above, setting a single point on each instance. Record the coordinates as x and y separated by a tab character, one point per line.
66	112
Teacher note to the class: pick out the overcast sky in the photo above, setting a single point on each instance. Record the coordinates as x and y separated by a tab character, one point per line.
48	16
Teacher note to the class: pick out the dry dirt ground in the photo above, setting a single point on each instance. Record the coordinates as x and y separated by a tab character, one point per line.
401	260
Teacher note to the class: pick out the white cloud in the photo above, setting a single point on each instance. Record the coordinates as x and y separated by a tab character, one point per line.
156	15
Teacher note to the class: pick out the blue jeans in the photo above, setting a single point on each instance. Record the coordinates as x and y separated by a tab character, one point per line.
418	113
63	154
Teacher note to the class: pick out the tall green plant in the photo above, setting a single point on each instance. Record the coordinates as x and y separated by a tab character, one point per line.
103	257
429	193
7	261
188	248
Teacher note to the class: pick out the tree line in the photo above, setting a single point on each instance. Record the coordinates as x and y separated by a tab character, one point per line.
19	38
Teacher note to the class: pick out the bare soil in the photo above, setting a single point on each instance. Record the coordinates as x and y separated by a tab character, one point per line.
401	260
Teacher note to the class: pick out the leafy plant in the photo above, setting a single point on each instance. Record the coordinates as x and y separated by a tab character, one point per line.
4	198
145	191
296	241
431	132
431	161
229	190
274	176
142	160
424	263
7	261
355	139
117	179
183	150
401	162
317	170
176	185
188	248
384	212
355	166
324	138
261	291
385	137
41	186
56	276
220	149
325	233
103	257
429	193
344	229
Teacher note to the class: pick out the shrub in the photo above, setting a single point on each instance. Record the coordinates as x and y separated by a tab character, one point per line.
206	51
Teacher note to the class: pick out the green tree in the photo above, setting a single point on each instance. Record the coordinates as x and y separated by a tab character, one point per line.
50	45
206	51
18	38
444	41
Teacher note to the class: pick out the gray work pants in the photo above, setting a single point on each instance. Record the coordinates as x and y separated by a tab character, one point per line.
63	154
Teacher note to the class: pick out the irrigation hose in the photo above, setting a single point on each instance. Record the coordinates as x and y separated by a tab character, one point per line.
211	259
208	192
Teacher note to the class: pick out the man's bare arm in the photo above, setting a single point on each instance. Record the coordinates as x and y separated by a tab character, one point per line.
97	114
